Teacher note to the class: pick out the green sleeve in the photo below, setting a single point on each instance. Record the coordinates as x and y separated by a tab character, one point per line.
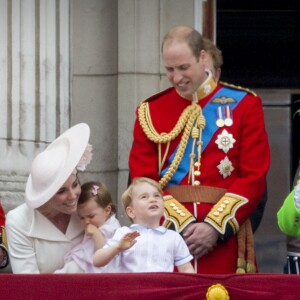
288	216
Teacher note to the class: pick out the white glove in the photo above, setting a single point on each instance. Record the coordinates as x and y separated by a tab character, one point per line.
297	195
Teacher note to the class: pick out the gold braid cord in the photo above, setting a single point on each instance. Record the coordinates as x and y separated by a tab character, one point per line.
185	122
3	236
190	123
3	246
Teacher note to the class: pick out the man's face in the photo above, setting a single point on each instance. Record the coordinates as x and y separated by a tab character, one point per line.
184	71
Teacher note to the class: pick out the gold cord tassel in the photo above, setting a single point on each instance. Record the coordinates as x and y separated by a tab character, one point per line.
195	135
241	262
246	253
251	267
201	125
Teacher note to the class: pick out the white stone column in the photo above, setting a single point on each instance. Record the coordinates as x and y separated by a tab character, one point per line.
34	86
95	84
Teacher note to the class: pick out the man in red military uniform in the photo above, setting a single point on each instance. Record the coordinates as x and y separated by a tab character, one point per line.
206	144
3	243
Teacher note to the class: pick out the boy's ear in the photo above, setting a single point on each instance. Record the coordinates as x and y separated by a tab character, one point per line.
130	212
203	55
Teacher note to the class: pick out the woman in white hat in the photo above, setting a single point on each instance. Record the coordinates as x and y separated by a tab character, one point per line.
42	230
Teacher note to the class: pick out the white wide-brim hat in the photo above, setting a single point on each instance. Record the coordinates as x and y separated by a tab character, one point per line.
52	167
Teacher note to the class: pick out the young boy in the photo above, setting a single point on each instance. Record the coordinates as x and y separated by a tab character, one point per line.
145	246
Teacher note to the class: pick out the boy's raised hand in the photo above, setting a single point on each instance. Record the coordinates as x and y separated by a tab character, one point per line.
128	240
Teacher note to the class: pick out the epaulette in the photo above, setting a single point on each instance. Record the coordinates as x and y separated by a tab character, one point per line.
156	96
237	87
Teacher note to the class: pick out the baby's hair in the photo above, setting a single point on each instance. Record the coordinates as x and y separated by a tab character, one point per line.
127	195
98	191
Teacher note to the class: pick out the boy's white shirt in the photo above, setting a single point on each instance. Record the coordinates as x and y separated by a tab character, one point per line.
156	250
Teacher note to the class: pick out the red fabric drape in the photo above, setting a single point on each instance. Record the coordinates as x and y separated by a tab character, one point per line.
146	286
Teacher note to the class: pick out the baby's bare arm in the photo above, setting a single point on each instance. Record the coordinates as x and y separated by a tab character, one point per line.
104	255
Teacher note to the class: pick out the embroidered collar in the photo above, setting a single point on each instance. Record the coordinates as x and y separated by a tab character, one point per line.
205	88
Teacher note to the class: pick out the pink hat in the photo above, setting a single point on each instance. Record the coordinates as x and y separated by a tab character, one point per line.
52	167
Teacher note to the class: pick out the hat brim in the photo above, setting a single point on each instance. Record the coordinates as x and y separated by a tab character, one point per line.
74	141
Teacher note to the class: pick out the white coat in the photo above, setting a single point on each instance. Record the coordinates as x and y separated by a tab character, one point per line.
35	245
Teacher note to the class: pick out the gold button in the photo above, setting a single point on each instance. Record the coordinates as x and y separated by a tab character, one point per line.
216	213
226	201
172	204
220	209
197	164
197	183
182	214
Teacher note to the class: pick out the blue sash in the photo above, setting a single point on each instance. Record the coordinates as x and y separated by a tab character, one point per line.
209	112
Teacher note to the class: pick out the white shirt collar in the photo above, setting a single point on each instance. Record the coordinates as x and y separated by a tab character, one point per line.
161	229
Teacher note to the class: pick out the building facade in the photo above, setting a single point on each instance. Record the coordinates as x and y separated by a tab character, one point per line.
64	62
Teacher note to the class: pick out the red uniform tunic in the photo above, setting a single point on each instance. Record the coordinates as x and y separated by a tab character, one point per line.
248	155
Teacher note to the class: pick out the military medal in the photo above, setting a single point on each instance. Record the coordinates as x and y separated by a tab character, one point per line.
225	167
220	116
228	120
225	141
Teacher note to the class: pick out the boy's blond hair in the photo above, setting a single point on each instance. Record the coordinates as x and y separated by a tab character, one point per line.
127	195
215	53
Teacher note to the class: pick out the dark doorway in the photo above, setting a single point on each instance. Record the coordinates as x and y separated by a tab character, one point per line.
260	41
